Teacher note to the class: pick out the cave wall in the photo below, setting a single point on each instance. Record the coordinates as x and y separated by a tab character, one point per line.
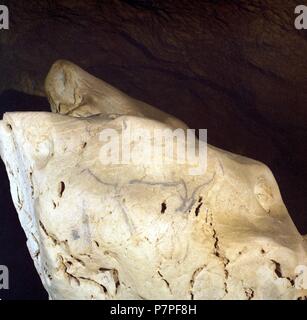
237	68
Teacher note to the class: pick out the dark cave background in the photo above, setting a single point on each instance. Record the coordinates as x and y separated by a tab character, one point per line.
237	68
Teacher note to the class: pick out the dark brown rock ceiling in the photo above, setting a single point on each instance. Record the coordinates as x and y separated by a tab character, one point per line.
238	68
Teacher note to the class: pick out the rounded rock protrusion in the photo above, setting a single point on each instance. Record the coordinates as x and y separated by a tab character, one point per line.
264	194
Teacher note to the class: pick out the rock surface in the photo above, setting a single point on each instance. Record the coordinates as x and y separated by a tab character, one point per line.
141	231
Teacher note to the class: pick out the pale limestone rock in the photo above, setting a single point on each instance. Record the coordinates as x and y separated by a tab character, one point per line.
146	231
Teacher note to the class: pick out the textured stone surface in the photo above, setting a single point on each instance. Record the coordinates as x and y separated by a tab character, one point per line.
142	232
237	65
